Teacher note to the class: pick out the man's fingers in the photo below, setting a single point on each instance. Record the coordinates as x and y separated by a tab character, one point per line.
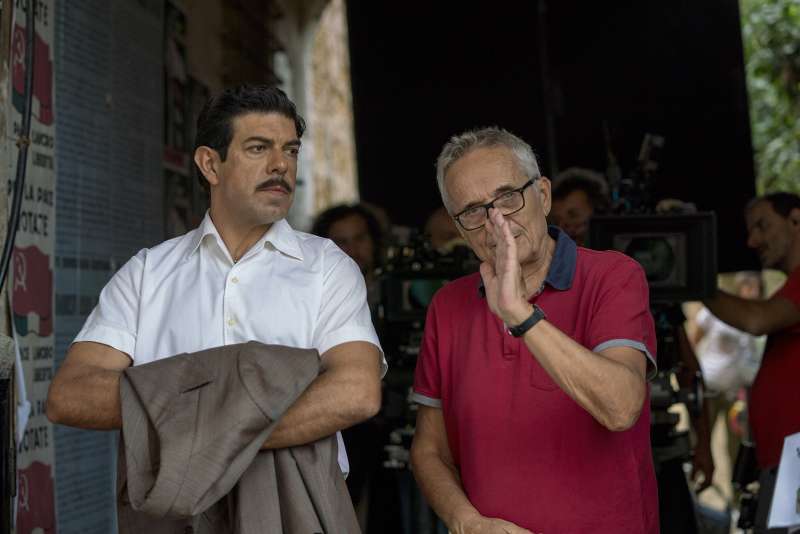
498	221
697	474
700	486
504	229
494	227
504	239
487	272
511	528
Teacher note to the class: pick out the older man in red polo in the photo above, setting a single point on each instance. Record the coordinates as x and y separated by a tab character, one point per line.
532	378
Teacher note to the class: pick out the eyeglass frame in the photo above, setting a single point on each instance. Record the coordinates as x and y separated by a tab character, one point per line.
490	204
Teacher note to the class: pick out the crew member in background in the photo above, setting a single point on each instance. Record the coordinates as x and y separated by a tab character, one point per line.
578	194
357	232
773	226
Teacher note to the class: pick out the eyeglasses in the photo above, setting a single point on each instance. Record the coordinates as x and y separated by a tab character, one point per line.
508	203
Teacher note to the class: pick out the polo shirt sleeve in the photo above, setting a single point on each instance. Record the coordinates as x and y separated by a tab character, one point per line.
622	313
114	320
791	289
427	375
344	313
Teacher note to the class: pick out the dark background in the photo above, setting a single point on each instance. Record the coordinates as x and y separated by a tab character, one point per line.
554	73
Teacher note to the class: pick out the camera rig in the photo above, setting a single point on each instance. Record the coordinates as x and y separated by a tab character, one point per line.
408	280
678	251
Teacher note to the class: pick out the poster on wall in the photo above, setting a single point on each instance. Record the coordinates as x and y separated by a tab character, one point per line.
30	281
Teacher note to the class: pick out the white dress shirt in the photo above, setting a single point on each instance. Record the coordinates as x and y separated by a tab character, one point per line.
187	295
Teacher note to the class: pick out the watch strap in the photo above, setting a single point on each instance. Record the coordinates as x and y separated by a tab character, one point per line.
527	324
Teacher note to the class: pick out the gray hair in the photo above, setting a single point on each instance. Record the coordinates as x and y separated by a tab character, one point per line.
459	145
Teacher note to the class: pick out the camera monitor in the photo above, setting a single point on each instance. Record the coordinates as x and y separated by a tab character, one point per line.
678	252
406	296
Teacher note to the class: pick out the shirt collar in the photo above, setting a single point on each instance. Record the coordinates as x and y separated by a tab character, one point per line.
562	266
561	272
206	228
280	237
283	238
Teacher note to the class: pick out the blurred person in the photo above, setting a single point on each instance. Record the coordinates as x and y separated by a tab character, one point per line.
356	230
385	225
532	376
441	230
726	357
578	194
773	226
442	235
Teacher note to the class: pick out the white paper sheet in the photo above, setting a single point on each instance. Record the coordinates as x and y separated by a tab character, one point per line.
785	508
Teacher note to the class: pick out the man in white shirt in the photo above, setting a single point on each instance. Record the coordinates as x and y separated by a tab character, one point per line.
243	275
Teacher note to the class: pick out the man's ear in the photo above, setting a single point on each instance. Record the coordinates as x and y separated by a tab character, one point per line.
543	186
794	218
207	160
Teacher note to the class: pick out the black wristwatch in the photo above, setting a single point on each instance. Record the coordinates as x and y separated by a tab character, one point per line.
527	324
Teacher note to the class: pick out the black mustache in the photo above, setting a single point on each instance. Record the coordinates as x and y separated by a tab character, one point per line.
275	182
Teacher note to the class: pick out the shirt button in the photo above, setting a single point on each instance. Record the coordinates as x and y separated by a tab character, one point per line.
231	322
235	280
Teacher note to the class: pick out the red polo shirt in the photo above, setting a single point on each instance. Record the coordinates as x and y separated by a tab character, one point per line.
775	396
526	451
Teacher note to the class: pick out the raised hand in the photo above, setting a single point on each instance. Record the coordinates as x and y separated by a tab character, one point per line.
505	288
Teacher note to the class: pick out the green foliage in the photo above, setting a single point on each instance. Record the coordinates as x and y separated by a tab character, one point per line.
771	34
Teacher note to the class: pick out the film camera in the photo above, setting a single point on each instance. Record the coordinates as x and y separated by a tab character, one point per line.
412	274
678	254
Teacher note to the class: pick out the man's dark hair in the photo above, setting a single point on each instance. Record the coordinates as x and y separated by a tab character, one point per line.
590	182
215	122
326	219
783	203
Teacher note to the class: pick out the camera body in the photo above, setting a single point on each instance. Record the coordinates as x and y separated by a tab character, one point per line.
678	255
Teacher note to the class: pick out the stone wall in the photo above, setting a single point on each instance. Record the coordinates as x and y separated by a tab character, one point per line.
335	175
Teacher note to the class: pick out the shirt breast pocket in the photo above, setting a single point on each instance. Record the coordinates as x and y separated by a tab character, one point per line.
538	377
287	314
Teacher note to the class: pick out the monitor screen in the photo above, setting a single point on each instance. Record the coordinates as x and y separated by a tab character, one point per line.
677	252
662	255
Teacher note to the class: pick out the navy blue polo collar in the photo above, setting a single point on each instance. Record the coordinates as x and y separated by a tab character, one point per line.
562	266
